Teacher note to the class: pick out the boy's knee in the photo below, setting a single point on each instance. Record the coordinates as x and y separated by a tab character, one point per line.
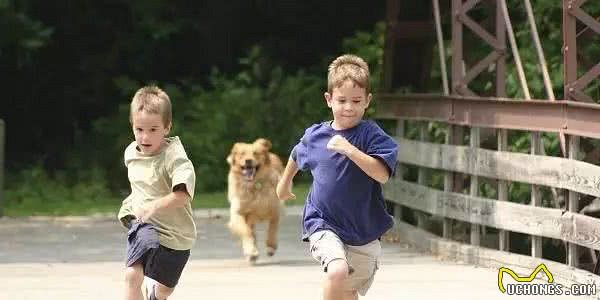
134	275
337	270
351	295
163	291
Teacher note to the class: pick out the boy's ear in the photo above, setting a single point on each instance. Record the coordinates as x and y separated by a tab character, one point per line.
327	96
169	126
369	97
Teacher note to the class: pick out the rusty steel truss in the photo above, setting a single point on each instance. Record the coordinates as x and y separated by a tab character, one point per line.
462	75
463	106
574	85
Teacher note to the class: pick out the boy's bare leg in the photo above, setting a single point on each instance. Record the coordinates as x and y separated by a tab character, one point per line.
351	295
134	276
162	291
334	285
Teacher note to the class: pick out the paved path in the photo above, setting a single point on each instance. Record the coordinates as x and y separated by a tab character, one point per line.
82	258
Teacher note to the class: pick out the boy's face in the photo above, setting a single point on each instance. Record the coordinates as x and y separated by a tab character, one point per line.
348	103
149	131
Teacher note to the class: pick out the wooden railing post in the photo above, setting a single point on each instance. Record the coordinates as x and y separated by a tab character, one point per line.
503	235
572	255
422	173
448	183
399	170
2	135
474	142
536	196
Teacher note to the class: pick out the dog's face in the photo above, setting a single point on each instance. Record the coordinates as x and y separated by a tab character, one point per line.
246	160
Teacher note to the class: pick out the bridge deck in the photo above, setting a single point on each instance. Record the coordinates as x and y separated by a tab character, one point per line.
82	259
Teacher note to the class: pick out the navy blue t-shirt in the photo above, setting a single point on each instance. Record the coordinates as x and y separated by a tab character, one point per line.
343	198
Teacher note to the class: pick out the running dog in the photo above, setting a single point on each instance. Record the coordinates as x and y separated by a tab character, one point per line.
253	175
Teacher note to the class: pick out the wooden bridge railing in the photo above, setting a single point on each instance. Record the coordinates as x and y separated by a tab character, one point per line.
2	139
576	176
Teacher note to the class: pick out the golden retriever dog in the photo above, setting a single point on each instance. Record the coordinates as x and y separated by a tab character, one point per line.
253	176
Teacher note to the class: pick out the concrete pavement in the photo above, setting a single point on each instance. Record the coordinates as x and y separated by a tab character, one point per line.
82	258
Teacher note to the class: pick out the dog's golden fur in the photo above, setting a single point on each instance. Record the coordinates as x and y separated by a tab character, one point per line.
253	175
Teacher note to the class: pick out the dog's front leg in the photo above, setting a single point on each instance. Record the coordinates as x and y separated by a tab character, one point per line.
272	234
245	231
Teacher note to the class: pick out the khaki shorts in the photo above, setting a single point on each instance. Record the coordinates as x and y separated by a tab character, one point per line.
363	261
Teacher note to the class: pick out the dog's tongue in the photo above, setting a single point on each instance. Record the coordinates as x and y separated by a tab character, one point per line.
248	172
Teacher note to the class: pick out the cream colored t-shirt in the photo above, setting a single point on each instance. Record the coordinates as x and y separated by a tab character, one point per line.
153	177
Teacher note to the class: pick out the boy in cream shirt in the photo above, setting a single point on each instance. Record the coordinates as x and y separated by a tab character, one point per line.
158	211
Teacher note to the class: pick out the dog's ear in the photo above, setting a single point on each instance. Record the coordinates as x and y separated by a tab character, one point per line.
266	145
264	142
231	156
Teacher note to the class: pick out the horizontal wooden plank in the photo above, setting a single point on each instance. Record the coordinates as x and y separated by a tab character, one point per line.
556	172
568	117
539	221
490	258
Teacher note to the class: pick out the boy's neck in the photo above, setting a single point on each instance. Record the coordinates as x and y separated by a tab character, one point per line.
333	124
162	147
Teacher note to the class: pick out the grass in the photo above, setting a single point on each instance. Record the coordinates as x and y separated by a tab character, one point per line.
60	208
219	199
44	207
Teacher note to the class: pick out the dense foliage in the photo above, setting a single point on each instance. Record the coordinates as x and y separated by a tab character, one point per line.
73	67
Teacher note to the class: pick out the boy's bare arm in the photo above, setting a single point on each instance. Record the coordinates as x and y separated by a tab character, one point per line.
370	165
179	197
284	186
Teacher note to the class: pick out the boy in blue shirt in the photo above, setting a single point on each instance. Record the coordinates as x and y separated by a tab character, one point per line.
349	158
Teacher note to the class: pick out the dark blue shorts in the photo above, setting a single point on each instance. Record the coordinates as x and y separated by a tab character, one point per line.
160	263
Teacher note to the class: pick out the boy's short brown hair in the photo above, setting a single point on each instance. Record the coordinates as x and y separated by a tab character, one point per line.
151	99
346	67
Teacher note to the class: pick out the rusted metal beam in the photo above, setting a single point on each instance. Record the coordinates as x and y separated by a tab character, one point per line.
457	46
584	80
414	108
441	45
501	63
570	117
468	6
481	66
480	31
413	30
462	76
574	86
569	49
585	18
393	8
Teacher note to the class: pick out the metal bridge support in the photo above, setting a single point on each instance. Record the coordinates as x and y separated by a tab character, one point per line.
462	75
2	135
408	45
574	86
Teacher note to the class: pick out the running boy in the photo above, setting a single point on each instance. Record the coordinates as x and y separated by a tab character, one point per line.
349	158
157	213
